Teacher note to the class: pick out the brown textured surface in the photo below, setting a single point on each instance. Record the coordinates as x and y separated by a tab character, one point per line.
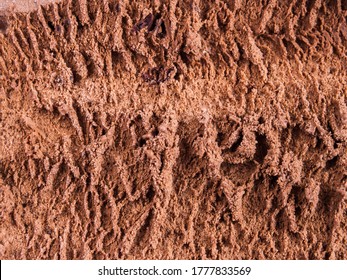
174	129
23	5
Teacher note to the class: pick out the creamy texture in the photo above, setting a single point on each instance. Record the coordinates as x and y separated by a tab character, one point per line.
174	130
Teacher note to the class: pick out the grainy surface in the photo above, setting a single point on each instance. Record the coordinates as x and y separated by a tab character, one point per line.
174	130
23	5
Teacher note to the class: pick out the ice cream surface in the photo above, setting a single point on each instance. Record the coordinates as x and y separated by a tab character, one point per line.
173	129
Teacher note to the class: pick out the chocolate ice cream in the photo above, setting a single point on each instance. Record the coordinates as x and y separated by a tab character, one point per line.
173	129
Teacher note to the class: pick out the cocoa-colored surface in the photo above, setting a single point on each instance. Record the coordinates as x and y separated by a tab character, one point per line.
174	130
23	5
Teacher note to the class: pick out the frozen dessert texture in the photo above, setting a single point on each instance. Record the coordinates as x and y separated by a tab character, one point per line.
173	130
